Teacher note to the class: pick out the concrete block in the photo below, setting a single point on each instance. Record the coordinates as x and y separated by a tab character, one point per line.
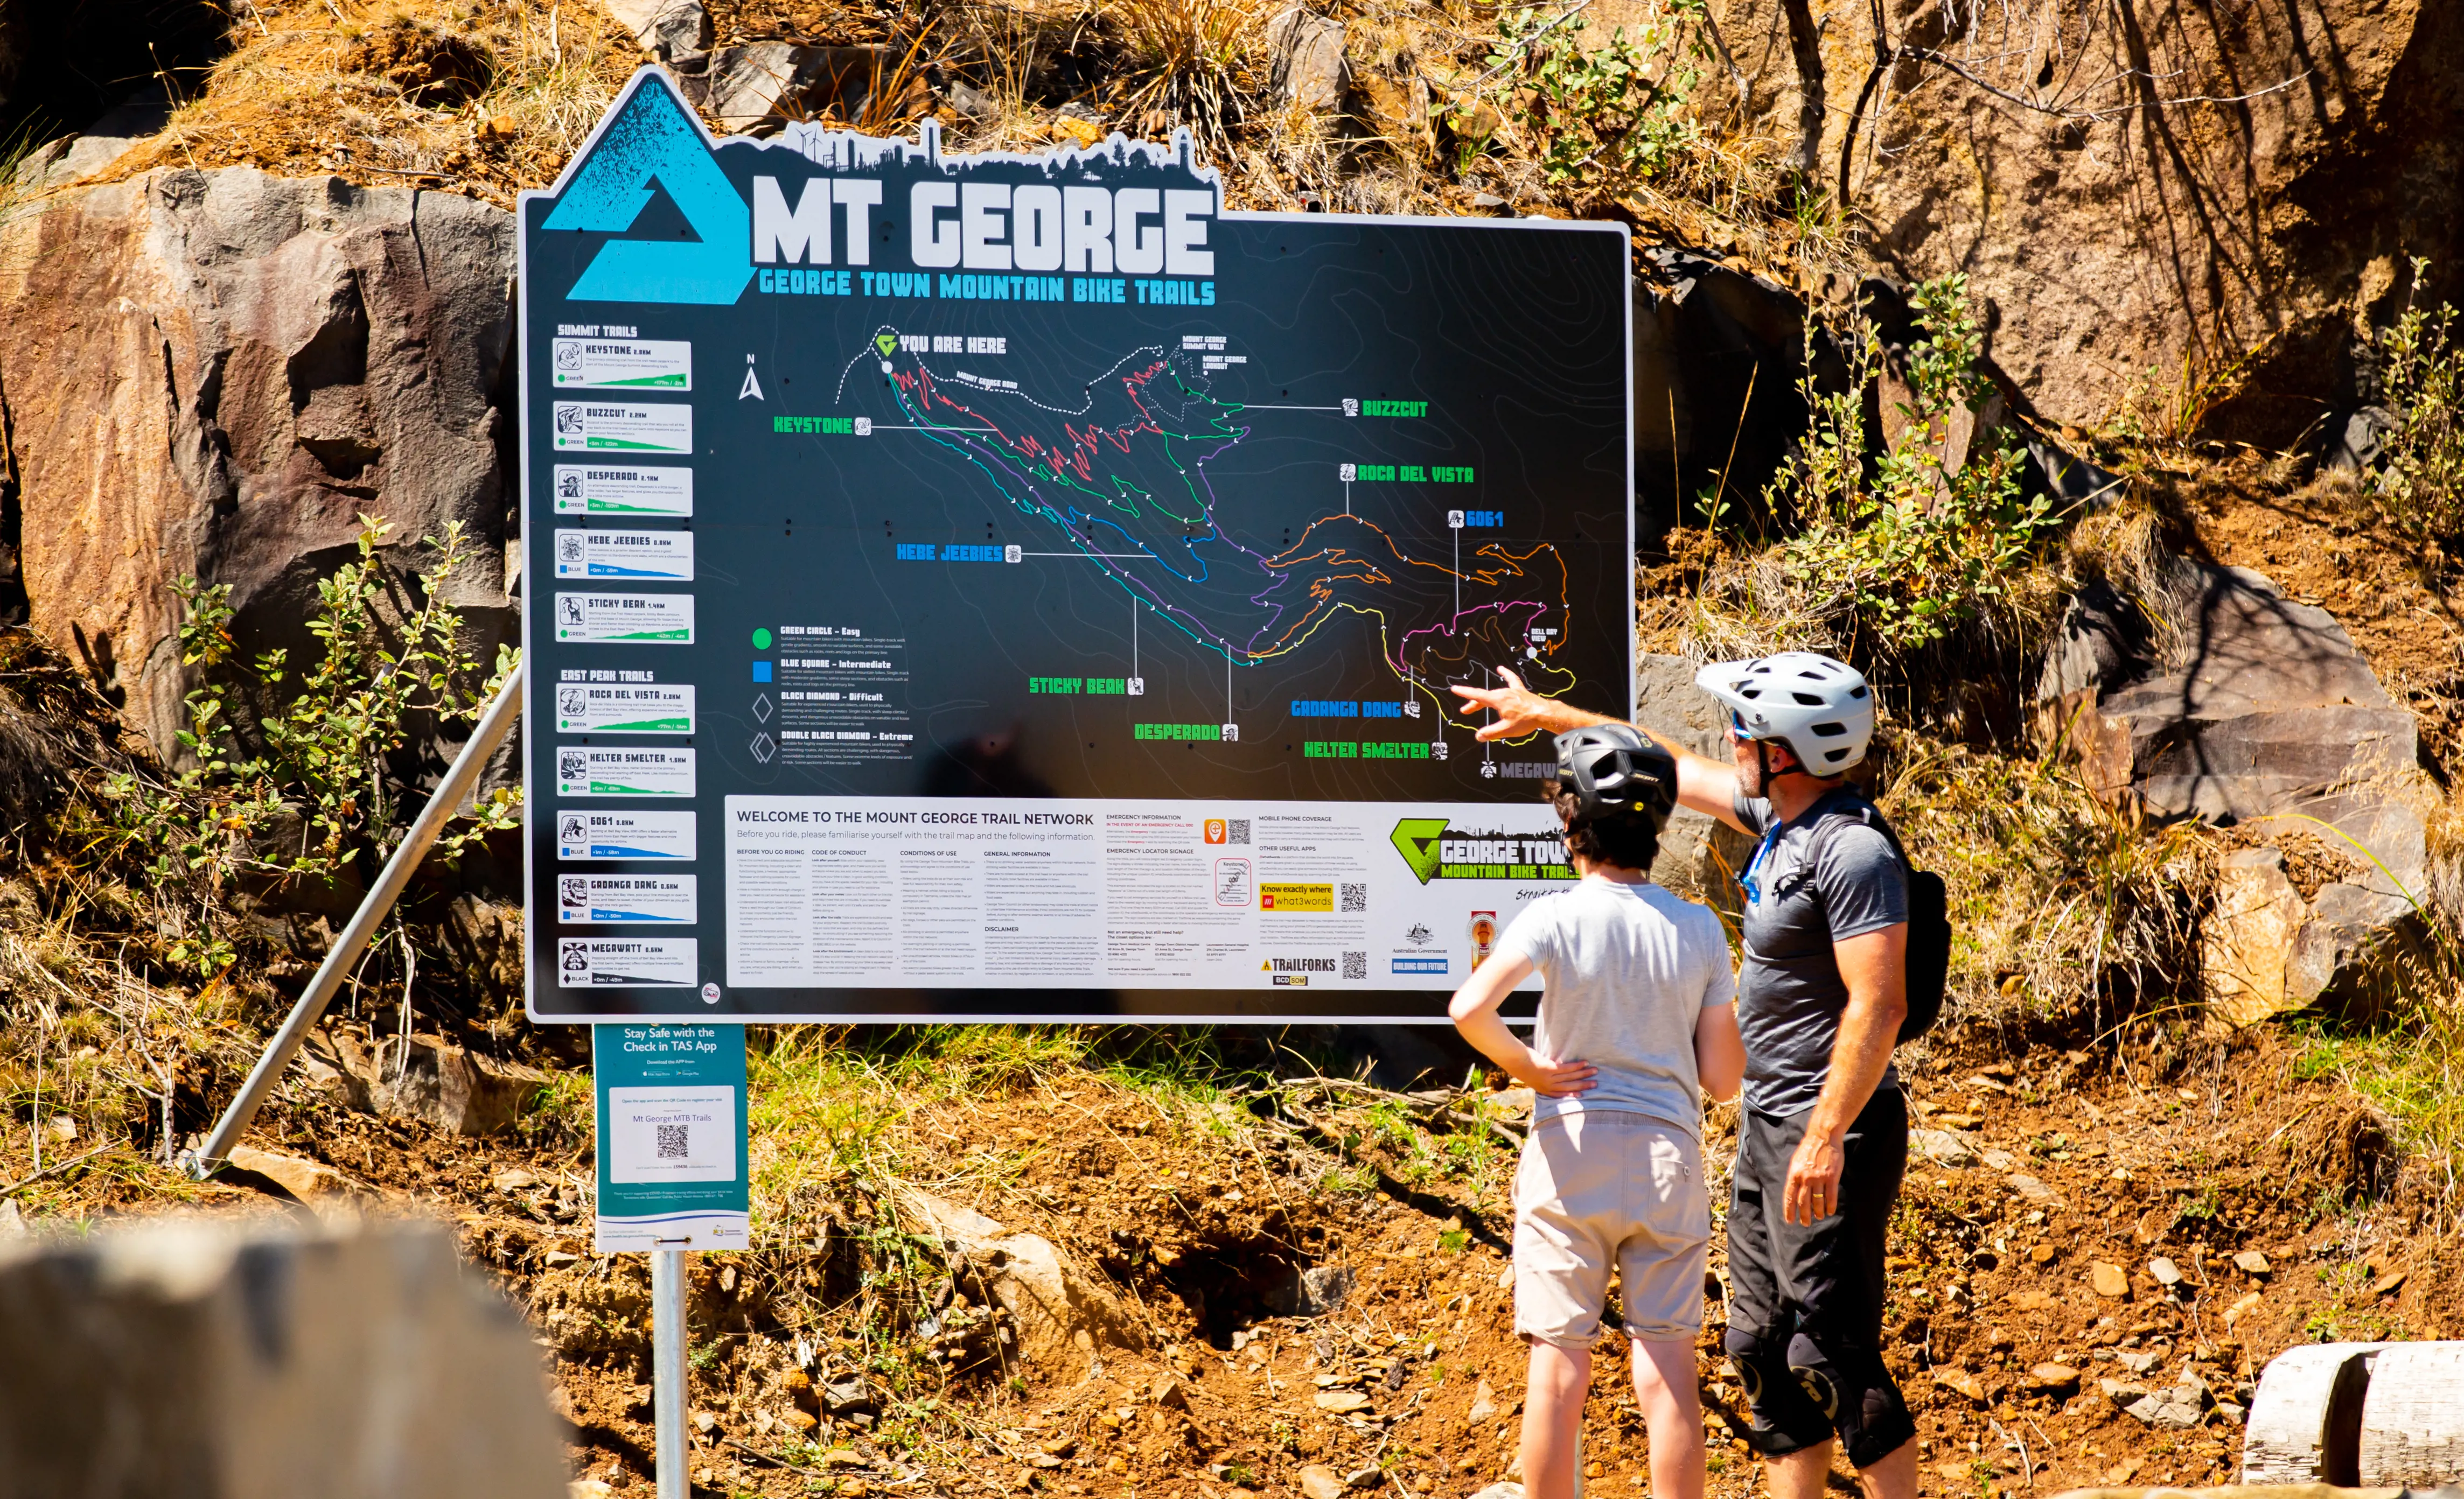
219	1359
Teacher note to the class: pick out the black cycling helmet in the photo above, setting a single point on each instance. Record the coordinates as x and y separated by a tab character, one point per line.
1611	769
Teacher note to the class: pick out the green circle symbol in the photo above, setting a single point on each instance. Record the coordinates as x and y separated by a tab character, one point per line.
761	639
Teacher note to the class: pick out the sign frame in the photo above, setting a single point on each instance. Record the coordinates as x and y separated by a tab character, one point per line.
728	1004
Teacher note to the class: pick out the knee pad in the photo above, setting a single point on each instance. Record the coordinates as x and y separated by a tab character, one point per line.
1780	1419
1812	1371
1855	1395
1753	1357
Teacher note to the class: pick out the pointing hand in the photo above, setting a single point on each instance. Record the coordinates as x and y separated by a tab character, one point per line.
1519	709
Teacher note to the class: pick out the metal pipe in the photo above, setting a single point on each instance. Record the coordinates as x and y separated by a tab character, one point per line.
674	1448
494	726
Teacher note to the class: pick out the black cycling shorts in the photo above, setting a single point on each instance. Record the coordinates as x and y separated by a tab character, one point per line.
1805	1302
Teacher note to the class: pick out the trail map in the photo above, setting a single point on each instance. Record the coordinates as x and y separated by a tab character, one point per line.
1016	587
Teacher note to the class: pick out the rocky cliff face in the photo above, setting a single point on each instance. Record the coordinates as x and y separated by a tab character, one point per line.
2182	208
215	373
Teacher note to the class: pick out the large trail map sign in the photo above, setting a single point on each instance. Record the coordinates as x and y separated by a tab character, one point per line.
1008	587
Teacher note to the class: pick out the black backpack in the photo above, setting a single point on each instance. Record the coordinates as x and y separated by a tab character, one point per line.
1929	918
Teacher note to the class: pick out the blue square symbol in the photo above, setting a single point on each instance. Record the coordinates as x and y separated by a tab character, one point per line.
761	672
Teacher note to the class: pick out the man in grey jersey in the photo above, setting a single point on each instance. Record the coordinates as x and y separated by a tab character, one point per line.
1822	1141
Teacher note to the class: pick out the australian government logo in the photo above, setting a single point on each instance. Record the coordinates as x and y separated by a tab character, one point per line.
1434	849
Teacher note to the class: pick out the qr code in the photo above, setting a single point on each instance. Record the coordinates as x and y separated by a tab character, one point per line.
1355	898
1356	965
1235	830
672	1142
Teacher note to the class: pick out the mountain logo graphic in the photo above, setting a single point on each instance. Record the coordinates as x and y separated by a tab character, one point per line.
1417	839
650	140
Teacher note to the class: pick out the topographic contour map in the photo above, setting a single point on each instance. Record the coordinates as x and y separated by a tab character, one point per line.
1118	470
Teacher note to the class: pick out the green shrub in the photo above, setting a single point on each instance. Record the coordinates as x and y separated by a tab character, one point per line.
309	789
1895	553
1597	118
2418	482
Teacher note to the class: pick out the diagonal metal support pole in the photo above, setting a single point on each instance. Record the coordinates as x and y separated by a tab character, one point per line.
494	726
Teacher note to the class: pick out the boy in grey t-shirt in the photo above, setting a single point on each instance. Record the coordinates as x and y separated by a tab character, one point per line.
1636	1019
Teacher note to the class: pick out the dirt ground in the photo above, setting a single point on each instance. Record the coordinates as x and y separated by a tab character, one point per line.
852	1357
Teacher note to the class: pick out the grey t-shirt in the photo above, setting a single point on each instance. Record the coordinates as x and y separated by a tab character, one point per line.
1625	973
1790	994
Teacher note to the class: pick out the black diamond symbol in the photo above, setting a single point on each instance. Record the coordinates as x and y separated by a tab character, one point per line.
764	749
761	709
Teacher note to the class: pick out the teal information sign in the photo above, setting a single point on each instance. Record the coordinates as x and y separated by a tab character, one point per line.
672	1133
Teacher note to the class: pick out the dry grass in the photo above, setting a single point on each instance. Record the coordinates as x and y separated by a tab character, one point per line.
346	88
486	97
1203	62
2065	910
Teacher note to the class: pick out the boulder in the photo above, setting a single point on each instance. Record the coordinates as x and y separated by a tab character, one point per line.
1314	1291
2266	705
1941	1147
665	28
313	1182
1061	1315
195	1356
2124	256
214	373
1307	67
1718	353
1317	1481
2176	1409
457	1090
2242	707
760	86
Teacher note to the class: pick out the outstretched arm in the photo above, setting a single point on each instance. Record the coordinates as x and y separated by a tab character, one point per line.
1702	784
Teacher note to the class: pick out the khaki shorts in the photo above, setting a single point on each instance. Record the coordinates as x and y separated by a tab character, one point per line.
1599	1188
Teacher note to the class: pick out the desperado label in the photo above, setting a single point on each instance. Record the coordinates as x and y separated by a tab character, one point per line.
582	489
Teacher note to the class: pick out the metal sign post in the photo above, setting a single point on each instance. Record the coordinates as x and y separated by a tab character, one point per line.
673	1453
493	725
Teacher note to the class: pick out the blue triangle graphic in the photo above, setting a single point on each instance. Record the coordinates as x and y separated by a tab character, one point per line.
653	136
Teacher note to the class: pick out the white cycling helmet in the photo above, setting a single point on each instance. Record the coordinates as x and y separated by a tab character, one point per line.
1820	707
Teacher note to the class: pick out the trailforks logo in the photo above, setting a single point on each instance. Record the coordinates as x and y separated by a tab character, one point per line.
1434	849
